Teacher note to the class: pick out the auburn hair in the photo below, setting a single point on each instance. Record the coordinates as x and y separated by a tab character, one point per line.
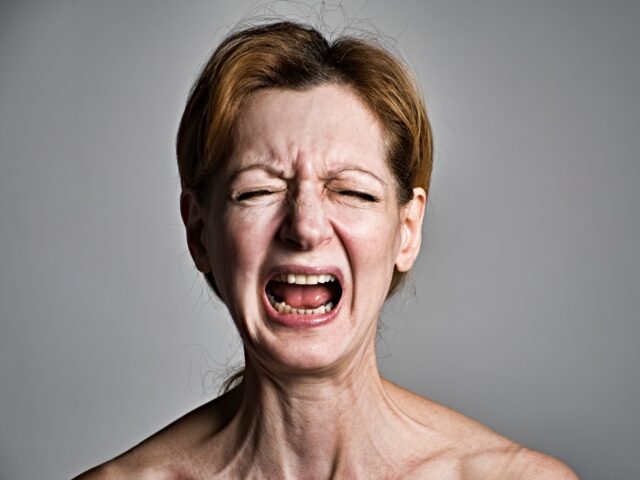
291	55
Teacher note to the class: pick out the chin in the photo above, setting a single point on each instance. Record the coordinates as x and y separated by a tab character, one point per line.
308	350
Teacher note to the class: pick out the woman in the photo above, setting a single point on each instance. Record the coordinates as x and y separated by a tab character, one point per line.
305	168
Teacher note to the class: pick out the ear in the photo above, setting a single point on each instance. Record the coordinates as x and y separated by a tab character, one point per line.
411	230
194	218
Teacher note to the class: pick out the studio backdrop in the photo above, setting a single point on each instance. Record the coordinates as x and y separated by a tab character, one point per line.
523	310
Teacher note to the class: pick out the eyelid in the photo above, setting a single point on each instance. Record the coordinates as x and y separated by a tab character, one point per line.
241	189
357	189
251	193
365	196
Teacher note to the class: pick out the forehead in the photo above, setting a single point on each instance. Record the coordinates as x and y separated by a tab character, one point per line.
327	125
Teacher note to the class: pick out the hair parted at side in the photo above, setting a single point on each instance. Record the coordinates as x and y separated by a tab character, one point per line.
286	54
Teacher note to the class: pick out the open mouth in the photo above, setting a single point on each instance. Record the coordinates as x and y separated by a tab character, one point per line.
300	294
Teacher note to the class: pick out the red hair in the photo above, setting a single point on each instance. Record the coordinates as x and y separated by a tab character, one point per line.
291	55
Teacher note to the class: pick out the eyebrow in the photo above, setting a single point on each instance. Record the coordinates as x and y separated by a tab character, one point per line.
257	166
354	168
279	173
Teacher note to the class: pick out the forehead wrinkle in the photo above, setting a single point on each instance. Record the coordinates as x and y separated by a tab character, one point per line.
330	152
255	152
275	172
300	133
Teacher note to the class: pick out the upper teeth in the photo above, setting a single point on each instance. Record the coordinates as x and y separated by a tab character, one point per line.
299	279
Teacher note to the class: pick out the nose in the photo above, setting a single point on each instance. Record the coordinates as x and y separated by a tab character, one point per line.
306	225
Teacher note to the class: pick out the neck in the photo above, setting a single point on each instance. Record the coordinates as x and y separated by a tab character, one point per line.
321	426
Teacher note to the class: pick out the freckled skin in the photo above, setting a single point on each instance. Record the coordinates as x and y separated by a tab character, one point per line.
308	185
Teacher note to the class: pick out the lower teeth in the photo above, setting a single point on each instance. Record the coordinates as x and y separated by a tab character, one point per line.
282	307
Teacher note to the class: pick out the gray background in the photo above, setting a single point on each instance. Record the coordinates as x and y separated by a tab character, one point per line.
526	308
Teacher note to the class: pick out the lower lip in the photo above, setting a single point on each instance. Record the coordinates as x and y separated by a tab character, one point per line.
293	320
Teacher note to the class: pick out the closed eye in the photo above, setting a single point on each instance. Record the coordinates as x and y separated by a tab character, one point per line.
252	193
367	197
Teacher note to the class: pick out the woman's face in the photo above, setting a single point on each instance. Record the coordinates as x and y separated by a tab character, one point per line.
303	229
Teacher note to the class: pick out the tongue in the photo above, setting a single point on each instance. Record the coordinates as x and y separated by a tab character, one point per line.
301	296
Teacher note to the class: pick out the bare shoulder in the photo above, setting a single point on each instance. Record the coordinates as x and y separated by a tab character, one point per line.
117	469
528	464
112	470
168	454
517	463
151	459
454	427
474	450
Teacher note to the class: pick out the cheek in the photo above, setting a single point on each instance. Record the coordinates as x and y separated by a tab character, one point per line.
372	238
240	244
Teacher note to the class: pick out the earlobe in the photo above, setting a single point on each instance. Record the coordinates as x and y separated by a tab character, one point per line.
194	219
411	230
